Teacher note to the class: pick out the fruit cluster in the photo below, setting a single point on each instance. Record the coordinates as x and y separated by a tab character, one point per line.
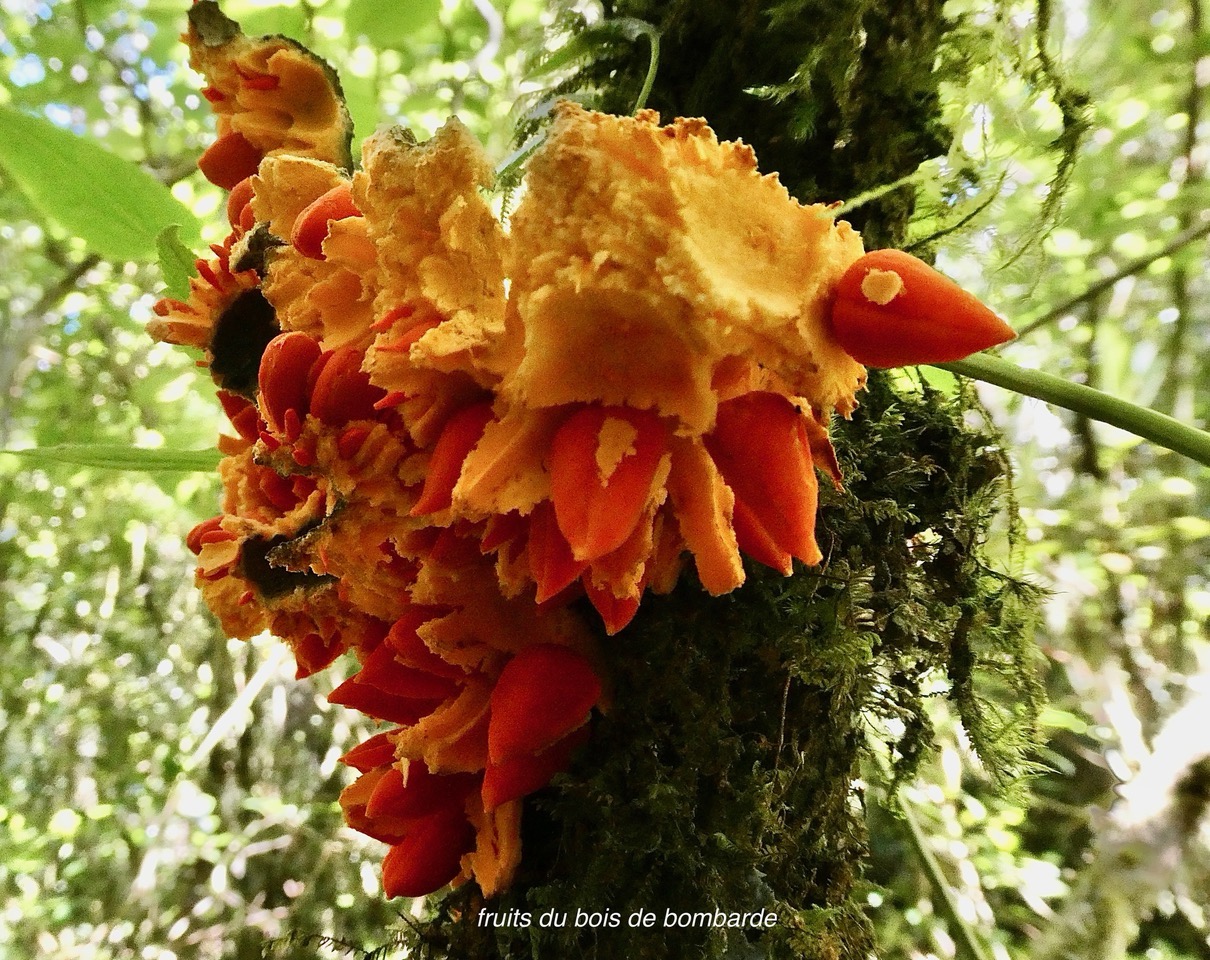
447	434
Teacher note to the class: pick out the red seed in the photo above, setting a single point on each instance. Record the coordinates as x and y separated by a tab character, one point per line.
278	490
599	502
551	563
392	316
312	653
241	196
525	774
343	392
458	437
282	378
378	751
379	705
205	532
428	857
392	399
350	441
411	650
229	160
311	226
421	794
242	413
615	612
760	446
384	672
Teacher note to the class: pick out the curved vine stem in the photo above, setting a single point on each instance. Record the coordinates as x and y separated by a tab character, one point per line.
1141	421
653	62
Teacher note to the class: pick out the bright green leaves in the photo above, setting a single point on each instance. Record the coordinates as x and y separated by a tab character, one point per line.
116	208
390	24
176	261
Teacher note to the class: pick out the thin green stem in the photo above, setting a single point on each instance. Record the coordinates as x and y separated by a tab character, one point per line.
866	196
967	943
117	457
653	65
1141	421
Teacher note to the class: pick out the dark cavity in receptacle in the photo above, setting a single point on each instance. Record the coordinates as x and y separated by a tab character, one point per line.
256	564
243	331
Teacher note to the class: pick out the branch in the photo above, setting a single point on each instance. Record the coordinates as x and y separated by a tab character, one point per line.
1138	265
1141	421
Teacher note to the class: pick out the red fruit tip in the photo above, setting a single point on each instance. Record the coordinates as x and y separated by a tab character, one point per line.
543	693
894	310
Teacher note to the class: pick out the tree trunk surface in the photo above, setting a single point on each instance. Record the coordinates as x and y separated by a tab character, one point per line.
724	778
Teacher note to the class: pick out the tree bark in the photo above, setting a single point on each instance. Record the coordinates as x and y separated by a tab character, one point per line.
724	776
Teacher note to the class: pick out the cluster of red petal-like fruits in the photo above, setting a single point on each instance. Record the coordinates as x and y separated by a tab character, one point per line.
317	542
490	696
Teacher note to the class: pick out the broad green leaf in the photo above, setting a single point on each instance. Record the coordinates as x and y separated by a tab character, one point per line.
390	24
176	261
116	208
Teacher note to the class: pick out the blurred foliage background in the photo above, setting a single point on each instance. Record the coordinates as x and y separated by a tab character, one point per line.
167	793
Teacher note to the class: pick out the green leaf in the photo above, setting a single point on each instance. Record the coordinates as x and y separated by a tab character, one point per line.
390	24
626	29
114	457
176	261
111	204
579	46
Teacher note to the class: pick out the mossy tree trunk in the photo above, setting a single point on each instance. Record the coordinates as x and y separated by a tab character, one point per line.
723	776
